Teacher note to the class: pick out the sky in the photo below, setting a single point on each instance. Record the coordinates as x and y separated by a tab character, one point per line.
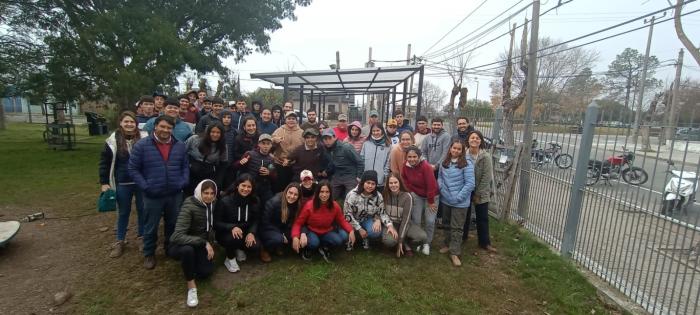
351	27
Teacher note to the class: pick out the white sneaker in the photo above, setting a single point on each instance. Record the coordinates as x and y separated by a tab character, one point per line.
240	255
425	249
192	299
231	265
365	243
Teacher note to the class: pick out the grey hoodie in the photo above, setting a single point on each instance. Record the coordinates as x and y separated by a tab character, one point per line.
435	147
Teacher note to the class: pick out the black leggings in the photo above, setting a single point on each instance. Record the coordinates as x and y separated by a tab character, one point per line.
193	260
231	244
482	224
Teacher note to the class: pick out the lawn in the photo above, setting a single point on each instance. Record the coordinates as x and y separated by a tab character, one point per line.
525	277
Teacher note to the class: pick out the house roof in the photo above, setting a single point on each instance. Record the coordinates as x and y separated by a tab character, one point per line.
358	81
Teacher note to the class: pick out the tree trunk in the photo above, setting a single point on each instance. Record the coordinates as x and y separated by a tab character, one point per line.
2	116
463	99
681	34
646	121
453	95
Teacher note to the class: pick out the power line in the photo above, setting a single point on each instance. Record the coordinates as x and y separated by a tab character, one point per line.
455	27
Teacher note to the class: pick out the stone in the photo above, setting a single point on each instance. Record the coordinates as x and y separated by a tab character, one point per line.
61	297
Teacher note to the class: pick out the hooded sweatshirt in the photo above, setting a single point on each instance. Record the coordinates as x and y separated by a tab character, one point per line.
435	147
195	222
359	208
358	141
375	156
235	210
398	208
397	158
420	180
291	138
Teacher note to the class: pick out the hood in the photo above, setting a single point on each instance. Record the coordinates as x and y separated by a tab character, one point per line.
356	124
296	127
198	190
210	207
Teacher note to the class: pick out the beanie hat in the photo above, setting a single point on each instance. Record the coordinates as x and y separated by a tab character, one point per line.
369	175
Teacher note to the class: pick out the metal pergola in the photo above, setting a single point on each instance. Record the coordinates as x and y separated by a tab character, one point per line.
382	81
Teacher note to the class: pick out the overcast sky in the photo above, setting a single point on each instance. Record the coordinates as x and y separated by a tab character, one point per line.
352	26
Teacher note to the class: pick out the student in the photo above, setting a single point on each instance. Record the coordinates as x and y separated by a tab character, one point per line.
214	116
188	113
483	174
399	205
309	156
347	164
158	103
364	209
463	130
435	146
230	137
311	120
456	182
206	107
192	238
373	119
391	131
285	139
308	186
277	118
258	163
247	139
207	156
266	124
403	124
236	221
256	110
316	226
341	128
145	106
417	175
397	157
240	113
355	137
422	131
375	153
201	97
181	131
114	174
277	219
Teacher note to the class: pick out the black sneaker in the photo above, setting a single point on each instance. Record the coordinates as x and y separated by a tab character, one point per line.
305	255
325	253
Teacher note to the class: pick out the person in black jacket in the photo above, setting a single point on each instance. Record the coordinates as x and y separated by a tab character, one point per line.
207	156
236	221
247	139
191	240
277	220
259	164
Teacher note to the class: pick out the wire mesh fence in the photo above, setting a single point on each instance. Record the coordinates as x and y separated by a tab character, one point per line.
638	223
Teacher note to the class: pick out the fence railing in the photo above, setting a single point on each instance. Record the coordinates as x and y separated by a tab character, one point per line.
607	201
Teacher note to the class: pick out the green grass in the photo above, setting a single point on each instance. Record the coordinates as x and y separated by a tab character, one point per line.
524	277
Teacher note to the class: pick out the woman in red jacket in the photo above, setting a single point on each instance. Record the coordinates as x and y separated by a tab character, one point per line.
321	224
417	175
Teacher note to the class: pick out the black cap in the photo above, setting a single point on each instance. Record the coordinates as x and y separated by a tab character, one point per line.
172	101
369	175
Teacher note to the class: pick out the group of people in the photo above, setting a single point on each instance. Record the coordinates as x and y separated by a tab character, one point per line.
259	182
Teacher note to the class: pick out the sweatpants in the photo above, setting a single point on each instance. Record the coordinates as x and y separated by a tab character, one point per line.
482	224
453	232
414	234
231	244
420	210
193	260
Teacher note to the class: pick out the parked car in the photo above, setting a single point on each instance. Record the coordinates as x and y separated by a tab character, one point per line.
688	134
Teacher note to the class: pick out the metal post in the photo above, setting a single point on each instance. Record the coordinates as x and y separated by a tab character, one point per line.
285	95
323	106
29	111
496	130
393	104
524	201
574	210
638	115
311	103
301	103
420	91
671	129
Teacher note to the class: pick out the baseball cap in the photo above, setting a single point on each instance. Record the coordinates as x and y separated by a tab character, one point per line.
342	117
328	132
264	136
310	131
172	101
392	122
306	174
290	113
159	93
373	113
145	98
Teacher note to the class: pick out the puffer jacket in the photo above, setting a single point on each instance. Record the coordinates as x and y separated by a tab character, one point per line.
271	219
358	208
456	184
237	211
181	131
346	162
376	157
435	147
483	175
195	221
244	142
113	169
205	121
155	176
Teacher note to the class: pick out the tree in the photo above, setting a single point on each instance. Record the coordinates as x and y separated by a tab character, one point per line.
121	49
268	97
624	74
511	104
681	34
433	98
456	69
580	91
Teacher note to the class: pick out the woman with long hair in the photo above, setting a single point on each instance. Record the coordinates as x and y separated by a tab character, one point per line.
113	172
320	225
355	136
277	219
364	208
375	153
191	241
418	177
207	155
397	157
456	182
247	139
236	221
483	174
399	205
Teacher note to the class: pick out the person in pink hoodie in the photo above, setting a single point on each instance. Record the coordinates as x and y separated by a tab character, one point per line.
417	175
355	136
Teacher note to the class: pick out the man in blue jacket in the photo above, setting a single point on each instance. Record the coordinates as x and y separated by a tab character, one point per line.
181	131
158	165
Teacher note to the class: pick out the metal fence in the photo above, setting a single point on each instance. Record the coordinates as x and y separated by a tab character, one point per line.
597	195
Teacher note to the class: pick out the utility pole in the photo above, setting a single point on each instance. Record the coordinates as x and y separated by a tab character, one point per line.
2	117
405	86
671	130
524	201
476	95
638	115
337	59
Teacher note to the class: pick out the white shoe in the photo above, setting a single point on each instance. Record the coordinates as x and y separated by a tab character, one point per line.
425	249
240	255
192	299
231	265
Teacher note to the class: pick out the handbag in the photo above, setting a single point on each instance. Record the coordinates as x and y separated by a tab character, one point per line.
107	201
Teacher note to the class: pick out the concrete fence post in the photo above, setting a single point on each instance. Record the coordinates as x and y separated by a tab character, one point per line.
577	189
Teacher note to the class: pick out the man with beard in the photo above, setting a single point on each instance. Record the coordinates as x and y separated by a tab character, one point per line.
309	156
347	164
311	121
463	129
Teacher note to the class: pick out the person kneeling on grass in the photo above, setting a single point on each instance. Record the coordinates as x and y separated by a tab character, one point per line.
277	219
191	240
316	225
399	205
236	221
364	209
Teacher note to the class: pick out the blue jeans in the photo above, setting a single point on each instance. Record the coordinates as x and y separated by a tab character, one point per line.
169	207
124	195
367	225
331	239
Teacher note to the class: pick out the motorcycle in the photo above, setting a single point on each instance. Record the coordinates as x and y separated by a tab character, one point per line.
615	167
539	157
679	192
